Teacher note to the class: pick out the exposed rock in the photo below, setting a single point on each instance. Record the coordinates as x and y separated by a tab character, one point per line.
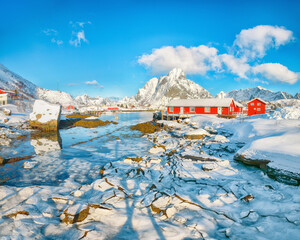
13	215
75	214
45	116
252	162
247	198
129	160
280	175
147	127
92	123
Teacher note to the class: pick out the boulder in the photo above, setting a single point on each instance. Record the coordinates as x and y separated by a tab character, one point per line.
7	112
45	116
196	134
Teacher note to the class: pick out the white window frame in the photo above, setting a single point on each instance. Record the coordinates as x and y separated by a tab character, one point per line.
207	109
171	109
254	108
258	109
252	104
192	109
258	104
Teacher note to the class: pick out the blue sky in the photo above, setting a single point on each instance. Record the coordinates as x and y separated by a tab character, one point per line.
111	48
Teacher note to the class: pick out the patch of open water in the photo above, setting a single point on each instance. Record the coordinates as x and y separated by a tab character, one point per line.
77	153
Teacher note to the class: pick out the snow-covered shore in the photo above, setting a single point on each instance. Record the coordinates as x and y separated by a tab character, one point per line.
181	188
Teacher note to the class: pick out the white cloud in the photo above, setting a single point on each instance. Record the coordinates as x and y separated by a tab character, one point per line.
53	33
235	65
78	35
81	24
249	45
193	60
94	83
276	72
77	38
58	42
50	32
254	42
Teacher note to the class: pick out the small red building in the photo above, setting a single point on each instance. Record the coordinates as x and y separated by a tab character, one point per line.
113	108
256	106
223	106
70	107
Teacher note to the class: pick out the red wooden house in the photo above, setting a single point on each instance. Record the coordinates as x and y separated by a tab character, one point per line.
70	107
224	106
256	106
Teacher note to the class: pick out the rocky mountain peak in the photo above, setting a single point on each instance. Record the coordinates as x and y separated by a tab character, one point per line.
176	73
175	85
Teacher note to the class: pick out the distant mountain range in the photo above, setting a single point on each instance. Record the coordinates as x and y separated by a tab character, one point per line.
258	92
155	92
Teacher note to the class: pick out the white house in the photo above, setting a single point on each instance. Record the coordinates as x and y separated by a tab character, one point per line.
4	98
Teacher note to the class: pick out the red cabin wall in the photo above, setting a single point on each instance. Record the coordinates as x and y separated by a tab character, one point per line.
252	110
198	110
225	110
213	110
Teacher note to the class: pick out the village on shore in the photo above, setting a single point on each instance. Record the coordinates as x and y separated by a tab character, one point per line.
200	168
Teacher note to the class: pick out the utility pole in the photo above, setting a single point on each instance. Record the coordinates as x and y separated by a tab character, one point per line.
162	109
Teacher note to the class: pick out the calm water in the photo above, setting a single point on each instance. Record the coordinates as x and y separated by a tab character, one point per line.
75	154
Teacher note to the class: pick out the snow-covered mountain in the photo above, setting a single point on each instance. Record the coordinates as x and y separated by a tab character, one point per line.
256	92
85	100
58	97
174	86
11	81
297	96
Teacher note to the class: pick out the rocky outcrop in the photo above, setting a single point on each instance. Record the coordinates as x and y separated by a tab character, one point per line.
45	116
280	175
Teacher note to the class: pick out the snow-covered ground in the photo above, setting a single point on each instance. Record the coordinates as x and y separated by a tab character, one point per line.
19	114
109	183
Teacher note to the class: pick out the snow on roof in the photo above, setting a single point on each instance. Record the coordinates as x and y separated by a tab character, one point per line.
238	104
209	102
259	99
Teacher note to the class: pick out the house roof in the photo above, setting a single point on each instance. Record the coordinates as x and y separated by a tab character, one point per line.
238	104
258	100
204	102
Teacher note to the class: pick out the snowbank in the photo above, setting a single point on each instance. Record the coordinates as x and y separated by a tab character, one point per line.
274	142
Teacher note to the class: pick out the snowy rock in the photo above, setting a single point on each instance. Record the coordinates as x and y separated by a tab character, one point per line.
196	134
219	138
74	214
45	116
29	164
157	149
208	166
7	112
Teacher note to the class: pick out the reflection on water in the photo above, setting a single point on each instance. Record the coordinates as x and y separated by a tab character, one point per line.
85	151
46	142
